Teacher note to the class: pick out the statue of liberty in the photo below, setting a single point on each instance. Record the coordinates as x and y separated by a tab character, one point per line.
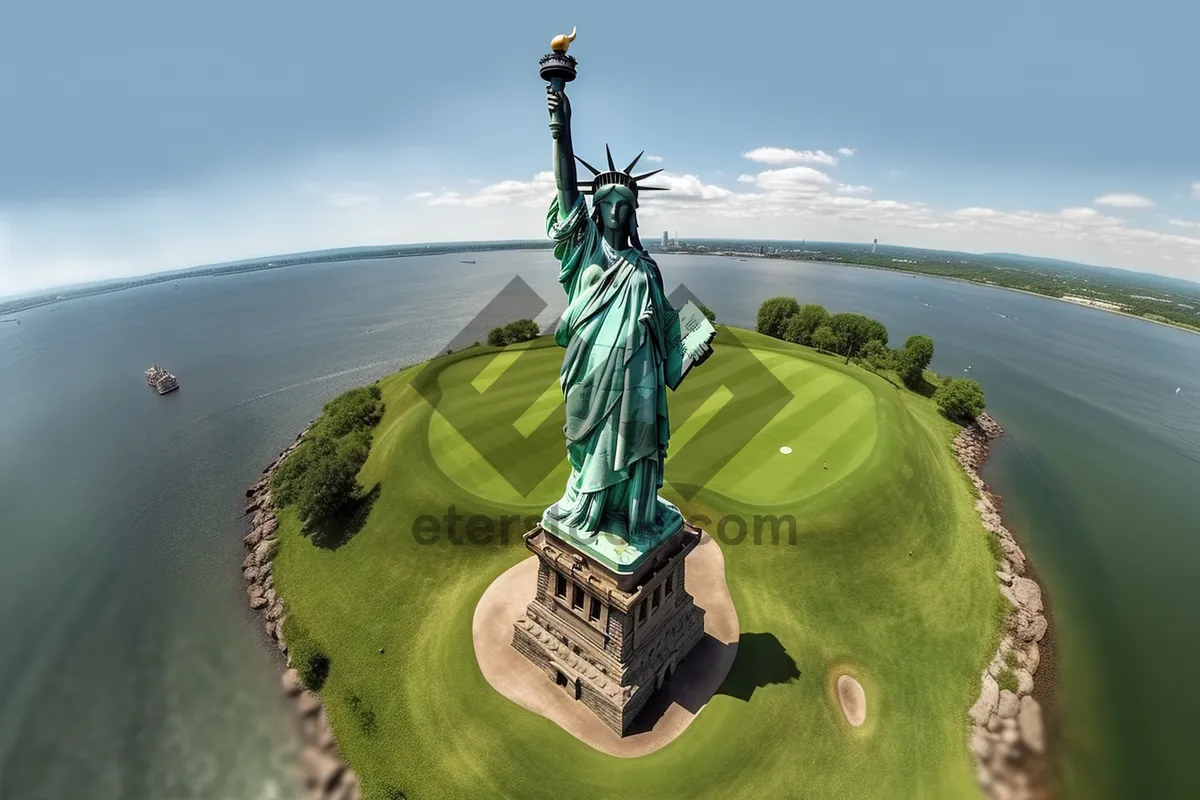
623	348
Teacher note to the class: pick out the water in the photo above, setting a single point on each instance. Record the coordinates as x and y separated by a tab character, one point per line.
132	667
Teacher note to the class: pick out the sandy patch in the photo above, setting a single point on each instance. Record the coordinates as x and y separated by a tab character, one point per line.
852	700
666	715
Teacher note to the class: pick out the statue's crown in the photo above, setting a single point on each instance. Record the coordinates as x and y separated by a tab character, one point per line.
613	175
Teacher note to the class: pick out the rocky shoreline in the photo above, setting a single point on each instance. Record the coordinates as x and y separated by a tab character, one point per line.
1008	733
326	773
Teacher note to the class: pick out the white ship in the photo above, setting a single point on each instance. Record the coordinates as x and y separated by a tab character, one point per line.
161	380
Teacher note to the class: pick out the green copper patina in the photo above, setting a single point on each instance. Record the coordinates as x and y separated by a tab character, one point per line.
624	348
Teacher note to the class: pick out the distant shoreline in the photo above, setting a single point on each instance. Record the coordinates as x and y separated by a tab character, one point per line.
49	297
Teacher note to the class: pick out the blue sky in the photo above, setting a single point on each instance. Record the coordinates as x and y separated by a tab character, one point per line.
142	136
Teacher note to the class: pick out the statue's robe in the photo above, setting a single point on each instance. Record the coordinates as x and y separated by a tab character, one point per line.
617	331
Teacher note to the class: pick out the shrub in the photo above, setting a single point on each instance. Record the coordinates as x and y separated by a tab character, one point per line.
774	313
1010	659
305	654
1007	679
708	312
320	478
876	355
960	399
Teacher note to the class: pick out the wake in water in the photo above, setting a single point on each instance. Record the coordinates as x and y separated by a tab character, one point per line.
1193	403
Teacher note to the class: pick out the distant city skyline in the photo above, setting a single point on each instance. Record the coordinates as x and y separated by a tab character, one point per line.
151	138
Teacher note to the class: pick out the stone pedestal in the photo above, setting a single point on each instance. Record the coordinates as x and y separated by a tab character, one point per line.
609	639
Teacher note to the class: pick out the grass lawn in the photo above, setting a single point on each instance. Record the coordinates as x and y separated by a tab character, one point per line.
890	579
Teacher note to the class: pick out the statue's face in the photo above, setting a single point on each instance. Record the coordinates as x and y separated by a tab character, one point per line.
615	212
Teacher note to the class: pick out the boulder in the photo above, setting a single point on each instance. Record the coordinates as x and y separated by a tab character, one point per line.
320	768
1030	627
1010	736
254	505
308	703
989	696
248	561
254	590
1024	681
250	574
291	682
1027	594
269	594
1008	704
1029	719
347	788
270	526
1032	658
269	627
981	743
253	537
275	611
258	519
264	550
258	602
1005	577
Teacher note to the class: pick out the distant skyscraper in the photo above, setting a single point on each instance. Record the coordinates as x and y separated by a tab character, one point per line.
666	240
874	244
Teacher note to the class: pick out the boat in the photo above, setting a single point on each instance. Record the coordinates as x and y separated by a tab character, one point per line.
161	380
466	262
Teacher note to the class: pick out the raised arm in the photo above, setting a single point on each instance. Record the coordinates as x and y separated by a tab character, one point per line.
564	153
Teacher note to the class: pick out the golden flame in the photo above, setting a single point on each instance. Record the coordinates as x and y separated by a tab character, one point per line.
560	43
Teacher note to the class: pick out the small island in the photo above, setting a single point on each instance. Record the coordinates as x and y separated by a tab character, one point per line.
859	553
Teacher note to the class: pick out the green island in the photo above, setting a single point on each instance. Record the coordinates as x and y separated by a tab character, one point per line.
889	575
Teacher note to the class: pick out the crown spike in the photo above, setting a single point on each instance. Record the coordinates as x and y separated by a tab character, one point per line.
647	174
611	165
653	189
589	166
633	163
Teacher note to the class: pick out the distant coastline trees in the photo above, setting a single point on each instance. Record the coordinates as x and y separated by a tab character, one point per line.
521	330
859	337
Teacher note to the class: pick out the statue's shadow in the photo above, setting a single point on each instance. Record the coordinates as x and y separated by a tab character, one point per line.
759	659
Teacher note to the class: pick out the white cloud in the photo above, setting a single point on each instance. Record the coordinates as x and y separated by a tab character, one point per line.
805	180
1118	200
652	158
1196	189
847	151
975	212
784	155
394	196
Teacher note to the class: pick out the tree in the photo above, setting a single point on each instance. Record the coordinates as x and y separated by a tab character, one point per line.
357	409
826	341
774	313
708	312
855	331
960	399
331	480
876	354
800	327
521	330
913	360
